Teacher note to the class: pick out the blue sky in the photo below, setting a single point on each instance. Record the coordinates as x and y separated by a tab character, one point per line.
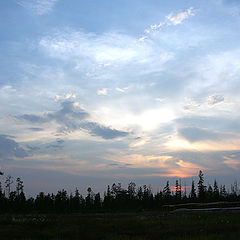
96	92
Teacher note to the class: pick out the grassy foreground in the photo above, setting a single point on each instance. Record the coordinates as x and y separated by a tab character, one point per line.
137	226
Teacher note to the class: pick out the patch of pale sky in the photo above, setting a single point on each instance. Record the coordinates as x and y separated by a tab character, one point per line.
38	7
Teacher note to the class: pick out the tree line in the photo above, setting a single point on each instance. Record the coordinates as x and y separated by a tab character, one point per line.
115	198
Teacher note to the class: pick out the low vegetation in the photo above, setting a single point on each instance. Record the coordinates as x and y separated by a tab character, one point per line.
123	226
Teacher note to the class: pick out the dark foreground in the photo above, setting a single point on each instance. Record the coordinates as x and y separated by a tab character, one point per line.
147	225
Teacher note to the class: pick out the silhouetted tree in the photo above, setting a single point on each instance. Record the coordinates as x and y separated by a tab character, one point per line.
210	193
193	194
178	191
116	198
19	187
167	192
89	199
215	191
132	190
107	202
223	192
140	194
8	183
201	187
61	201
97	201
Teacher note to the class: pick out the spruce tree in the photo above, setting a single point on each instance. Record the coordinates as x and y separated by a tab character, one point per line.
193	194
201	187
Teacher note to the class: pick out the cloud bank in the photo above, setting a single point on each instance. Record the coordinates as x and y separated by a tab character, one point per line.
72	117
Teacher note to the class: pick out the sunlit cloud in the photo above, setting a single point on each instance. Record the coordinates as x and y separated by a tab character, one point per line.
232	162
178	144
141	161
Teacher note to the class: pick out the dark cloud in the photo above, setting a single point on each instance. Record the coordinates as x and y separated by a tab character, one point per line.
32	148
193	134
217	123
69	110
60	141
10	148
72	117
33	118
56	145
36	129
104	132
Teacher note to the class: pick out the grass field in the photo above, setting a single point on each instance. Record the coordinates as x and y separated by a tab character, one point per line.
123	226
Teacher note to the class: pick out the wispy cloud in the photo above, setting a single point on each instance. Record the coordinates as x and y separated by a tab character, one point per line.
180	16
38	7
122	90
171	19
109	51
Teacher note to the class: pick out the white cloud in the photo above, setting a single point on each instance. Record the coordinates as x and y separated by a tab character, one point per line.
91	52
38	7
179	17
65	96
171	19
103	91
6	90
122	89
159	99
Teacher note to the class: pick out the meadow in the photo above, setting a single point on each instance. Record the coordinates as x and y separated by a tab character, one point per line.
150	225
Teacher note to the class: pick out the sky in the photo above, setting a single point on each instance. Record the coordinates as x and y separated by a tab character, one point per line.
96	92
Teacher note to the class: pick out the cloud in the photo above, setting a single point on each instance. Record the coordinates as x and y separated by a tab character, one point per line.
67	96
33	118
56	145
122	89
194	134
102	131
215	99
159	99
10	148
72	117
232	162
179	17
170	19
38	7
36	129
91	53
102	91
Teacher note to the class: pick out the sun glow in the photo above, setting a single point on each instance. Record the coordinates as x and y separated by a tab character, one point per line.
147	120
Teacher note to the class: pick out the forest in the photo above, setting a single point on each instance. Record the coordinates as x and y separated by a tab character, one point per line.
115	198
